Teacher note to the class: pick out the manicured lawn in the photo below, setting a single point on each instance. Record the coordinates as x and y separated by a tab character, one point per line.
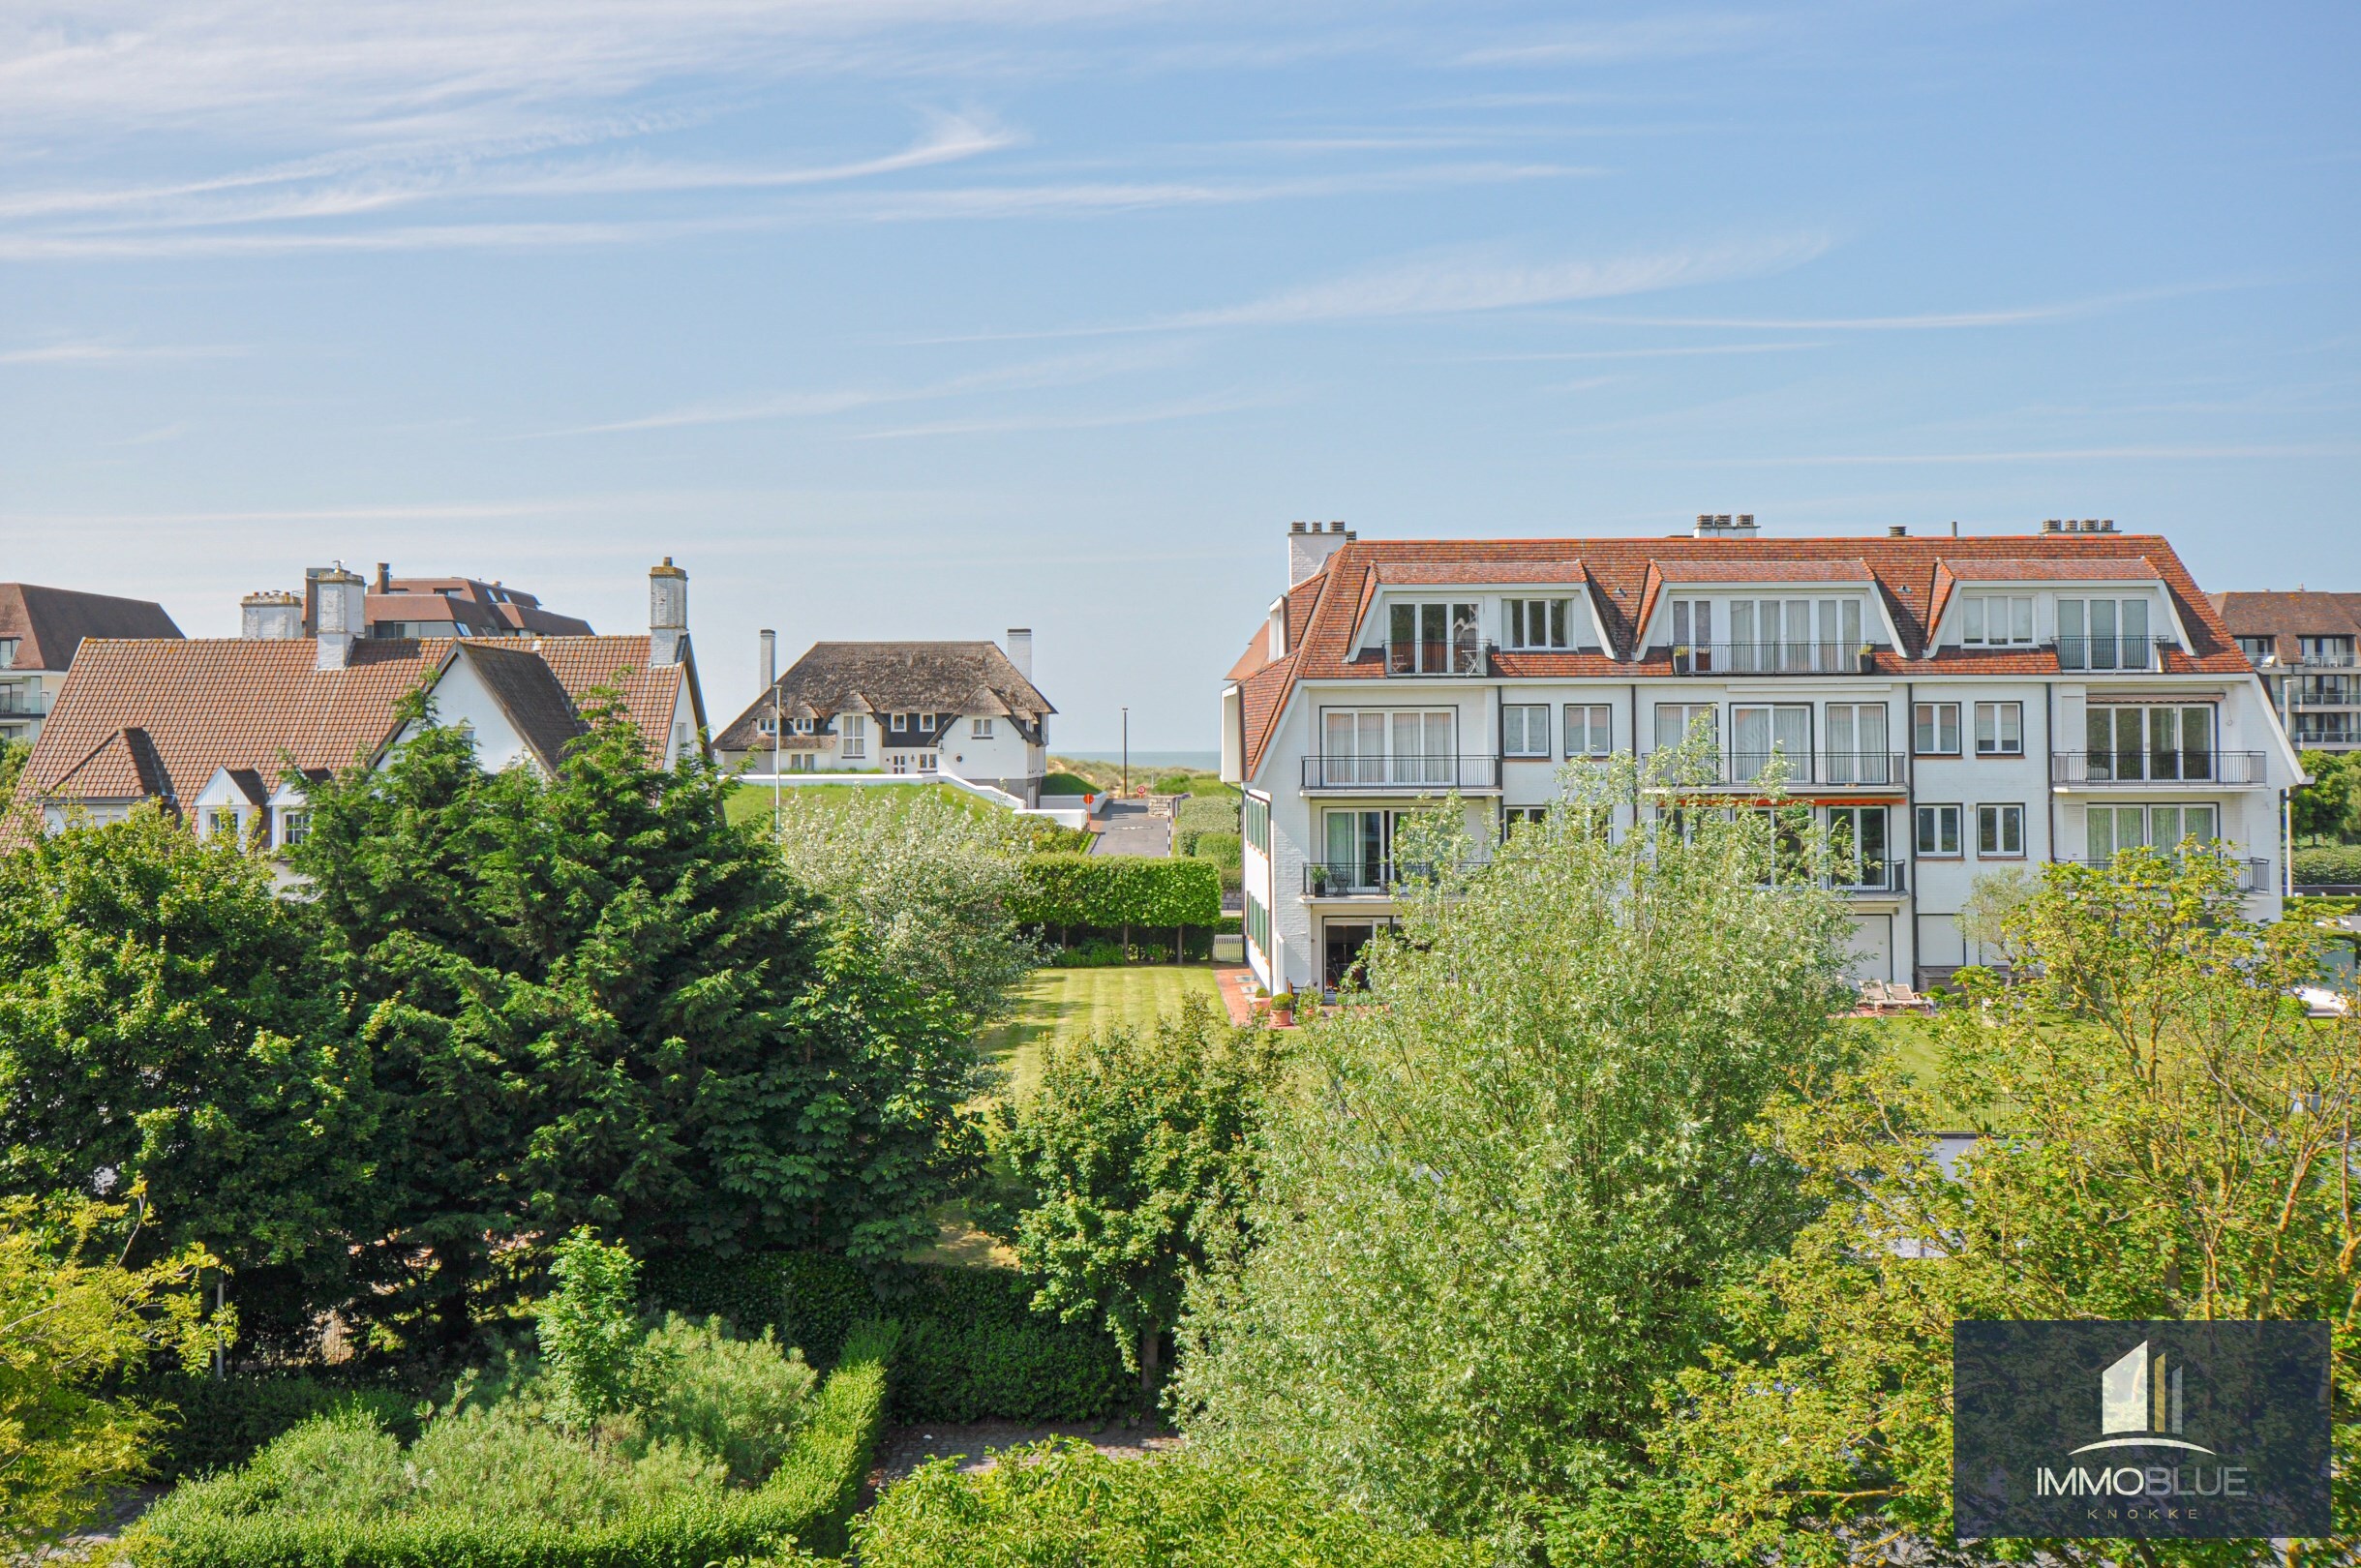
751	802
1068	1004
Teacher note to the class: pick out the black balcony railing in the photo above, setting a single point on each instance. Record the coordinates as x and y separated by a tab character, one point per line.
1773	658
1415	774
2253	872
1439	658
2107	768
1838	769
2132	654
1364	878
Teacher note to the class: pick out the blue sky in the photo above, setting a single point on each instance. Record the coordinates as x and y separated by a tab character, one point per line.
908	319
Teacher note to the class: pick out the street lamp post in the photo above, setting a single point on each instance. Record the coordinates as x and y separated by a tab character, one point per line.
1127	752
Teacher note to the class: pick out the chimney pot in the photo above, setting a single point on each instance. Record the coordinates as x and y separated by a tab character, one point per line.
1722	519
770	658
2049	525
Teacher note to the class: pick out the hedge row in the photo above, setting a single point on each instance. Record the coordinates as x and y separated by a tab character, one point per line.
972	1346
1117	890
217	1426
807	1501
2328	866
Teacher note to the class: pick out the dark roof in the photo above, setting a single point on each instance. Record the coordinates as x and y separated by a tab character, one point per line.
536	699
1626	578
49	623
948	679
2285	617
473	608
651	692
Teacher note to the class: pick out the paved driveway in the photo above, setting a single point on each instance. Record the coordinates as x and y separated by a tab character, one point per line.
1131	829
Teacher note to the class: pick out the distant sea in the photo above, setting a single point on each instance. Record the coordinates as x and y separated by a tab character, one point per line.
1200	761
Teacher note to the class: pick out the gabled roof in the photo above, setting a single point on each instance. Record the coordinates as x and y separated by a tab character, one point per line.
530	693
892	677
123	767
1629	576
48	623
650	693
2285	617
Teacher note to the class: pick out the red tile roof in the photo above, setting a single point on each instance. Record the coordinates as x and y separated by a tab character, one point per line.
1627	576
650	693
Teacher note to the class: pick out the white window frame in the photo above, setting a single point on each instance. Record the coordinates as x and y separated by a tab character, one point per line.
294	826
1537	625
2005	724
2000	832
1517	736
853	735
1593	723
1996	620
1929	716
1942	817
979	729
2081	646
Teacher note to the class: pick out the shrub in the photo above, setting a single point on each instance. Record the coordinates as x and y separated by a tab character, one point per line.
741	1401
1117	890
2336	864
1064	1502
1222	848
972	1347
1172	783
493	1488
591	1338
212	1425
1090	955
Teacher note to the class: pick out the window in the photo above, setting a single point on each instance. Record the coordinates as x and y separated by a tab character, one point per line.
2258	650
1536	624
1254	817
1857	837
295	826
1357	853
1256	923
1856	751
8	653
2132	744
2000	728
979	729
2109	829
222	822
1513	818
800	725
2000	832
802	762
1588	732
1387	747
2333	651
926	762
1939	830
853	731
1431	638
1675	720
1759	733
764	726
1525	730
1935	729
898	763
1767	635
2103	634
1996	620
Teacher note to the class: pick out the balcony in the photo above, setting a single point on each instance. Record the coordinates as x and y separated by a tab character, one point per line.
1815	770
1364	879
2132	654
2323	691
2326	735
2107	770
1401	775
2327	660
1879	879
1463	656
2254	873
1773	658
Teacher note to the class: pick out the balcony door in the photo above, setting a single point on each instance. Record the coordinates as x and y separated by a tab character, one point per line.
1857	837
2109	829
1389	746
1360	851
2103	634
1431	638
1759	731
1856	752
2149	744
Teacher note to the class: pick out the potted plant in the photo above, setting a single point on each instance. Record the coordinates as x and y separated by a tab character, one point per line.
1283	1009
1320	880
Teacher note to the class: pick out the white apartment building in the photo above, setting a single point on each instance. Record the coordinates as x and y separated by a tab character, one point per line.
1954	704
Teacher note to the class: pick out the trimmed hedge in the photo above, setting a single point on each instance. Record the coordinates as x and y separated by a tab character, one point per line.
2327	865
972	1346
1109	890
807	1501
1222	848
217	1426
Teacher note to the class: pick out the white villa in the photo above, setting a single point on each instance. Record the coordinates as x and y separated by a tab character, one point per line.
1954	703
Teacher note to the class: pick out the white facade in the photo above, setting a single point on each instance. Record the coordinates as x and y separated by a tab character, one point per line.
1939	774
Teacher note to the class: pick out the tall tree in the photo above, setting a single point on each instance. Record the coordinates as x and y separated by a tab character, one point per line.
2327	807
1498	1211
165	1019
594	1001
2168	1137
1136	1155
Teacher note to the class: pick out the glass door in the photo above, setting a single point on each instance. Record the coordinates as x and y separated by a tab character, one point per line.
1857	835
1759	733
1856	751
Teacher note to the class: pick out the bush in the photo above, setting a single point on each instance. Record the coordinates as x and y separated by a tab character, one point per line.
495	1487
1118	890
1065	1502
1224	849
1172	783
2336	864
741	1401
1090	955
214	1425
972	1347
1204	814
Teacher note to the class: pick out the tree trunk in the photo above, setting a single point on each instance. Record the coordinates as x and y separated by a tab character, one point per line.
1149	1338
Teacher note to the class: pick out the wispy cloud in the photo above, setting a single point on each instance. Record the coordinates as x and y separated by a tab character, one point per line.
1659	37
2195	453
112	354
1104	419
1660	352
1930	320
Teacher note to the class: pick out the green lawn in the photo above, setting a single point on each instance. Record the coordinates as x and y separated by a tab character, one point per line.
1068	1004
752	801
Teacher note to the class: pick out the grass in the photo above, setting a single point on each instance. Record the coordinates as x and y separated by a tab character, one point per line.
751	802
1069	1004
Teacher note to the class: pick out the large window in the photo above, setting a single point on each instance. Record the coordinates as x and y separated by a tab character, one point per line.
1525	730
2103	634
1857	837
2000	832
1938	832
1675	720
1935	729
1856	751
1255	922
1769	635
2333	651
2000	728
1760	732
1996	620
1537	623
2134	744
1589	730
1432	638
854	729
1357	854
2110	828
1387	747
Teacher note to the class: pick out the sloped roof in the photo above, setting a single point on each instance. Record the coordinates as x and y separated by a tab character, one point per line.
123	767
526	688
890	678
650	693
48	623
1627	576
2285	617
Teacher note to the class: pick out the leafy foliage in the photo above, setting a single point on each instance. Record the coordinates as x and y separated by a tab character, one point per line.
1494	1216
73	1320
2332	866
2329	808
2174	1142
589	1328
216	1424
1135	1156
1117	890
1064	1502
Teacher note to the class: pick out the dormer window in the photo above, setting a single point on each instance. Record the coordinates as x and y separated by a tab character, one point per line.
1537	623
2104	634
1432	638
8	653
1996	620
1768	636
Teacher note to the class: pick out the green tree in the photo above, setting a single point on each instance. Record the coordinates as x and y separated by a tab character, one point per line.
2170	1138
588	1327
165	1019
594	1001
2329	808
13	755
73	1320
1136	1155
1496	1214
